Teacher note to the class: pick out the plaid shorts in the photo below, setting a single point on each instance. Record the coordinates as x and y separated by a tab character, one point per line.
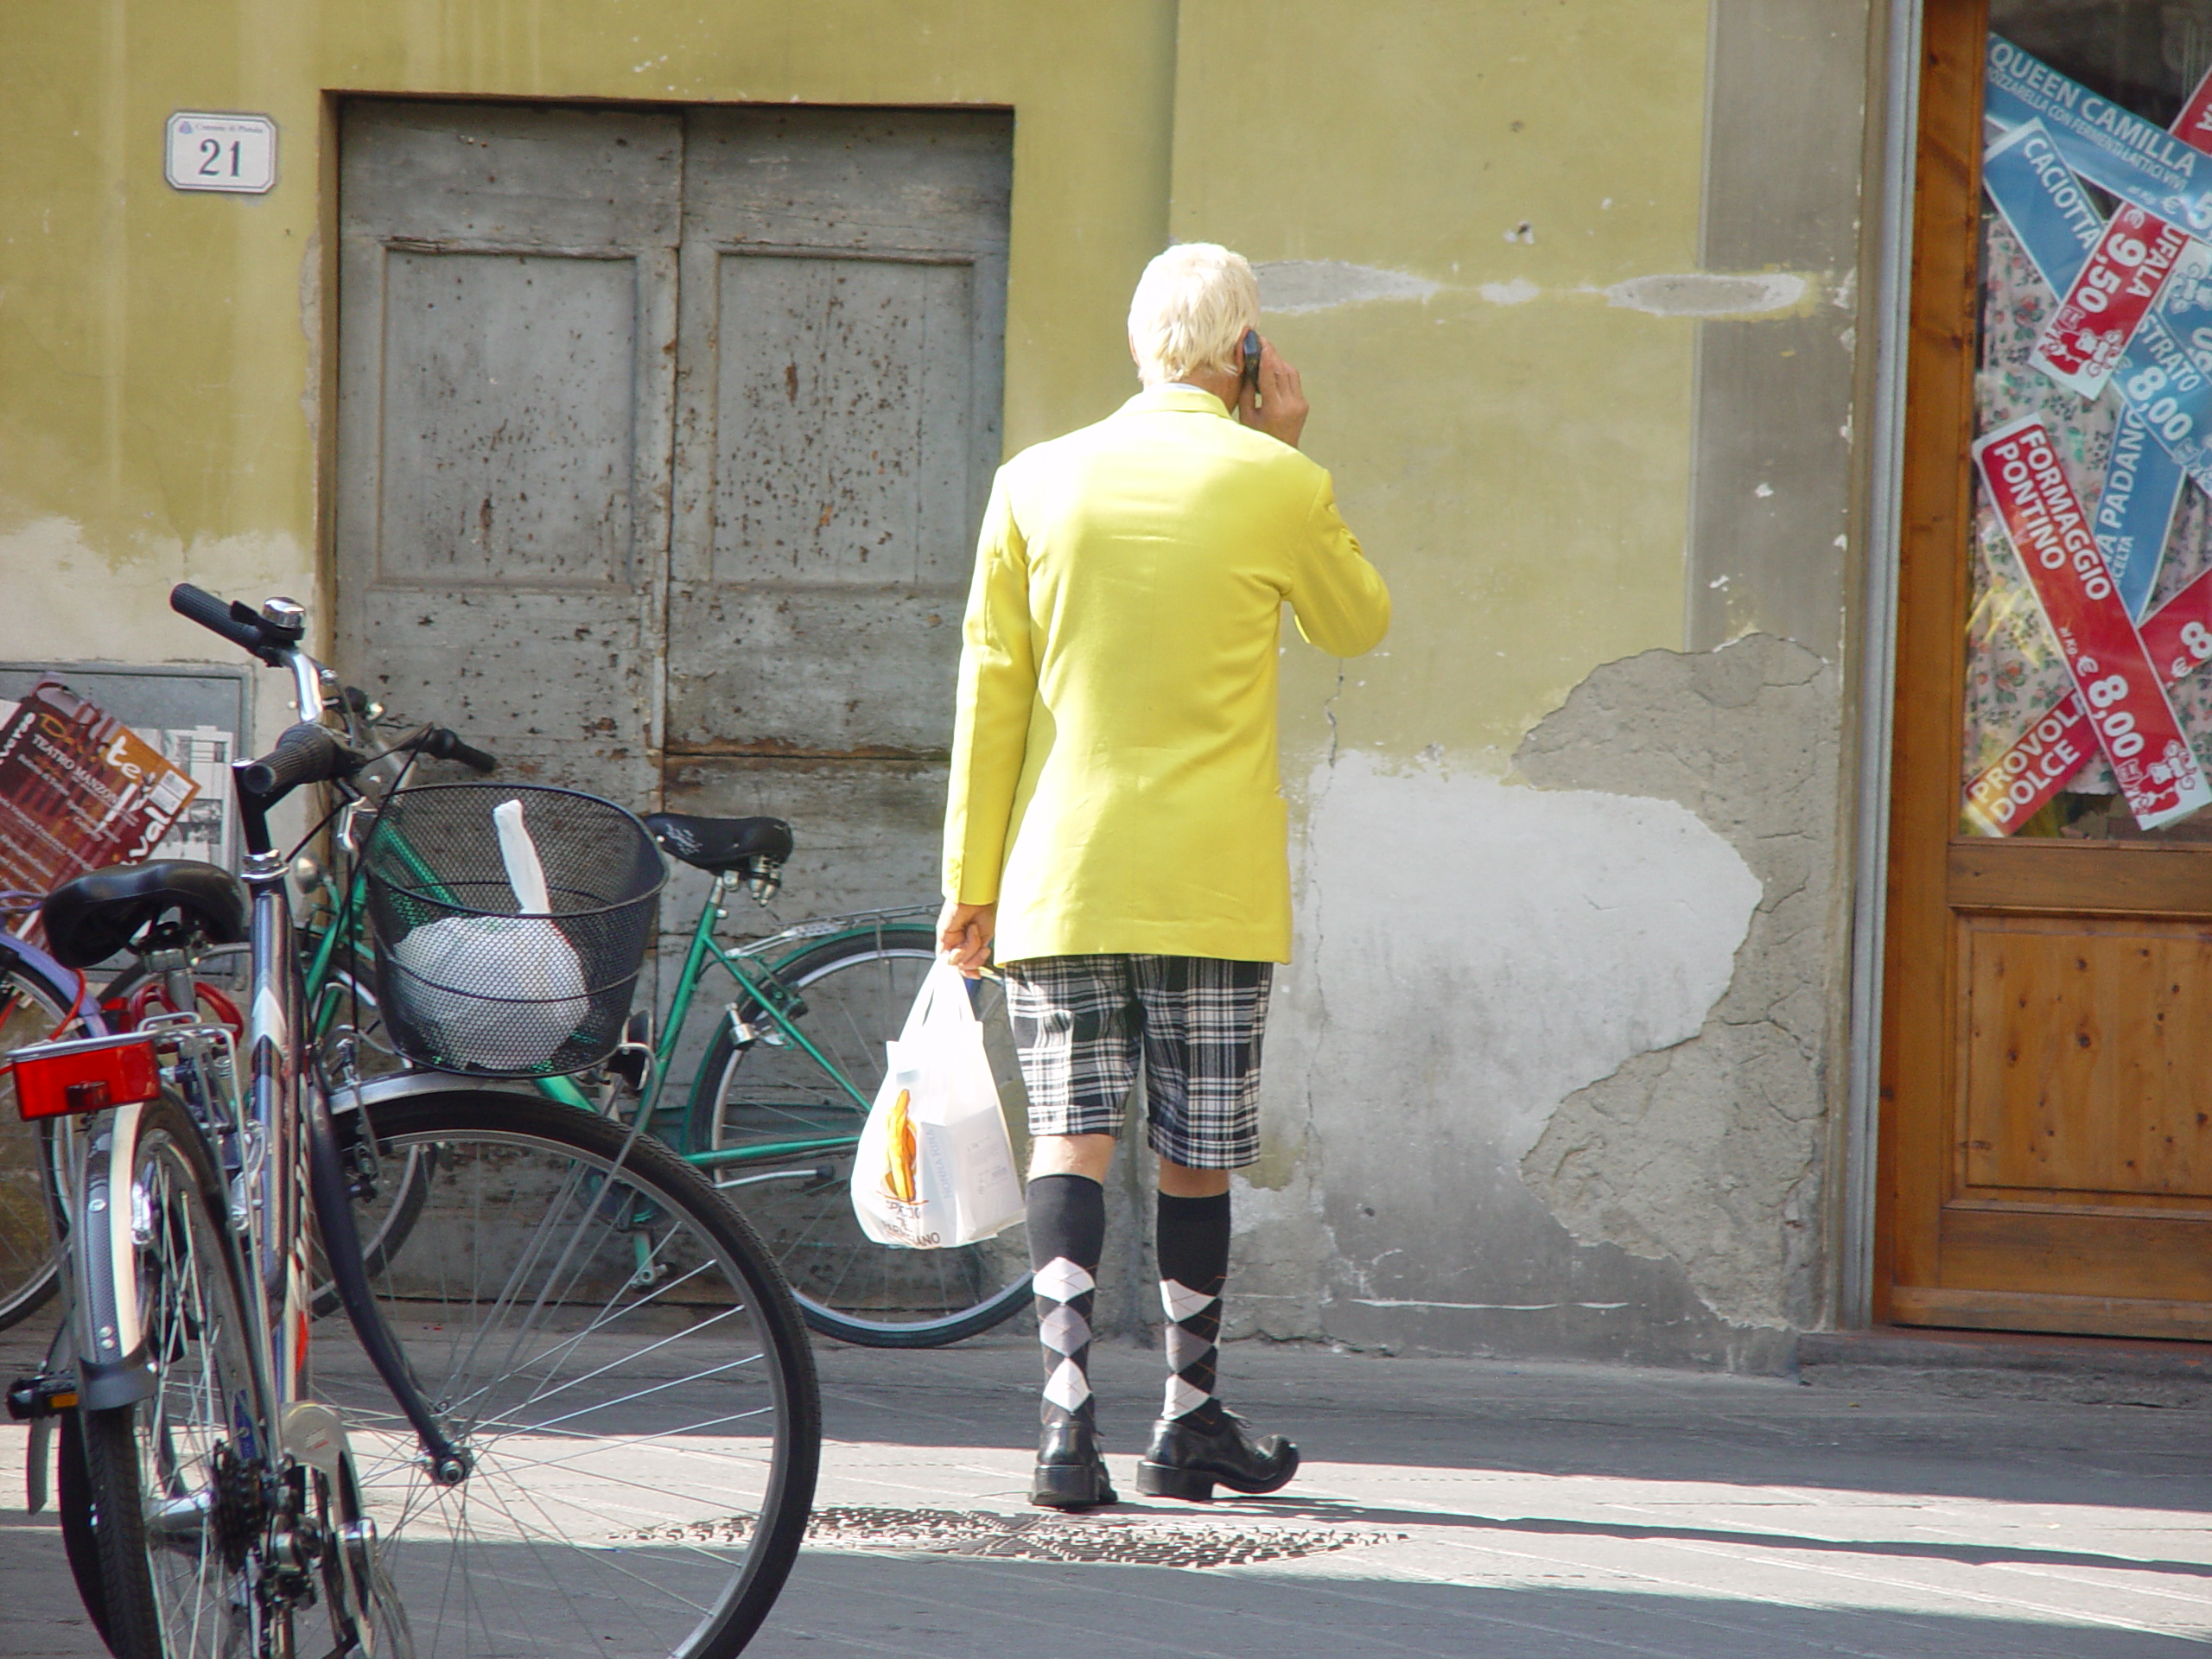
1081	1022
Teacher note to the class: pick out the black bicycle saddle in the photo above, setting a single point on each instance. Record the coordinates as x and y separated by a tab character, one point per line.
720	846
90	918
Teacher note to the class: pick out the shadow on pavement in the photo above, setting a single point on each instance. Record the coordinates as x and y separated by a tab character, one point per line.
960	1609
1339	1512
1614	1423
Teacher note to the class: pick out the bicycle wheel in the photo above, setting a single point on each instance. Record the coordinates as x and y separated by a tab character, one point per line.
764	1096
169	1502
31	1011
607	1339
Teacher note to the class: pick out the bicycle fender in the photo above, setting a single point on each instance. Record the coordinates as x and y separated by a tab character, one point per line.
407	1085
113	1365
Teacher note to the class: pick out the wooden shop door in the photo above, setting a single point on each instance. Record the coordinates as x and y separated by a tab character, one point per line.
2046	1135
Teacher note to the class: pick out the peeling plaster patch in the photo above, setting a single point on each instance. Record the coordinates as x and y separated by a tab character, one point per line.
1565	931
1278	1220
1707	1152
1470	953
1287	285
1519	291
1697	294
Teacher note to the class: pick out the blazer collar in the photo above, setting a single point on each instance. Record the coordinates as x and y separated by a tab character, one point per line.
1183	400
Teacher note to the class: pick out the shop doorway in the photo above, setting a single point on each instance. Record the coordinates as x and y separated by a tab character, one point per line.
663	438
2046	1149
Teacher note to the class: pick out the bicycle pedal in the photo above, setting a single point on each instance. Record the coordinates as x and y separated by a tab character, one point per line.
30	1397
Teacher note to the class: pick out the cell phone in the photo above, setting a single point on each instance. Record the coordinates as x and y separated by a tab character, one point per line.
1252	364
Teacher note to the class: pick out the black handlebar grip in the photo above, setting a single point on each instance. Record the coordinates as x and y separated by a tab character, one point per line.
446	745
197	605
305	754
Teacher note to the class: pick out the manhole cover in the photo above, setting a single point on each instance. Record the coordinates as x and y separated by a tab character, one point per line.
1139	1540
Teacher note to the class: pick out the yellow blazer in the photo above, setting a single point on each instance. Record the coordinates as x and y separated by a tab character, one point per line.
1115	784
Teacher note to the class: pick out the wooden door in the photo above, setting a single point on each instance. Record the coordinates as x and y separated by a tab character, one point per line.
506	388
841	329
663	439
2046	1135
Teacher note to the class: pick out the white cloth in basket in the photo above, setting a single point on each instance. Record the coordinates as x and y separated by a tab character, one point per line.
454	965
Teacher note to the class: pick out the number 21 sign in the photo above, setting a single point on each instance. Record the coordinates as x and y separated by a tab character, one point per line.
236	153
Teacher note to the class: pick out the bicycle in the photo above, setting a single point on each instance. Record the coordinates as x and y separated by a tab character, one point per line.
793	1061
40	1000
790	1059
520	1435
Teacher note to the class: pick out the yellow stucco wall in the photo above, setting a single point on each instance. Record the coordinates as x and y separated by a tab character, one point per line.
158	350
1514	448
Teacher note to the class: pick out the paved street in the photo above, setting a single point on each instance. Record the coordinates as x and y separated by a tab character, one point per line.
1455	1508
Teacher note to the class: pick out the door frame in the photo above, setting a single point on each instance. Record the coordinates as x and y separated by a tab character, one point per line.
1916	873
1859	1213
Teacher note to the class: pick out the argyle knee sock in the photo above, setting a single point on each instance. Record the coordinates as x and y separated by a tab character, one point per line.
1193	1241
1067	1233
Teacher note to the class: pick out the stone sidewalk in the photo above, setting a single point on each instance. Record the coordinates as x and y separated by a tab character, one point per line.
1452	1508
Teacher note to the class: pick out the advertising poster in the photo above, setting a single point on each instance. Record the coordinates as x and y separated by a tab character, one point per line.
79	790
2090	594
2124	697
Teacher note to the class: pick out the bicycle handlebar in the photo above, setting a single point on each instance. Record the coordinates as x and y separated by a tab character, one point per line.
442	745
234	622
308	753
305	754
439	742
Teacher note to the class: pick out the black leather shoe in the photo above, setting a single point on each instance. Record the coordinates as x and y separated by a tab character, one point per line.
1071	1473
1186	1461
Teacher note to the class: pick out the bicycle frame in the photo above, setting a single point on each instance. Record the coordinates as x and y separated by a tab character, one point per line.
761	993
285	1107
757	980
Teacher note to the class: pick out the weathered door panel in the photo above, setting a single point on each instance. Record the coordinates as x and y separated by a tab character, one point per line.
505	446
845	448
867	831
778	668
507	309
844	278
531	447
2087	1059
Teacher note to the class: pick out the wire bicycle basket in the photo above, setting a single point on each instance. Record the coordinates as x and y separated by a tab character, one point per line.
509	924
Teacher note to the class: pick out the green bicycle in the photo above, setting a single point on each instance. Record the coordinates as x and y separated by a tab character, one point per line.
763	1086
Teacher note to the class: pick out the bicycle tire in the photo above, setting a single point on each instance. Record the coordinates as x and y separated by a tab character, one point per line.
73	1502
606	1337
32	1009
857	991
153	1502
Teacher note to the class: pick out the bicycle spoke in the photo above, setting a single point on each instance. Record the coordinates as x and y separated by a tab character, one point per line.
608	1377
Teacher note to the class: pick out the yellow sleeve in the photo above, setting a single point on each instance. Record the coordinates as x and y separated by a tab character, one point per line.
1337	595
990	730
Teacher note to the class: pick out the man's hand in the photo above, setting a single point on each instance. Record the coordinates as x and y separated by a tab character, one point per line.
1282	407
964	933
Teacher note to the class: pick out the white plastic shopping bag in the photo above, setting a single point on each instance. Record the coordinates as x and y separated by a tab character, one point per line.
934	1166
523	964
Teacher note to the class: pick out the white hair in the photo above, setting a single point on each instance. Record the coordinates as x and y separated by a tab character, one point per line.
1190	312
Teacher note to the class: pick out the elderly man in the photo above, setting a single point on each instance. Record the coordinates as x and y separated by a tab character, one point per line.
1116	829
